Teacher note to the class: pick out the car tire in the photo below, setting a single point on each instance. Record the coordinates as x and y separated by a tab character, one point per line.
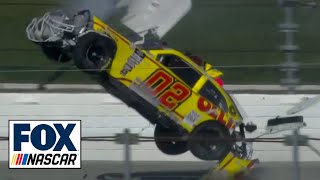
200	145
93	51
169	146
55	54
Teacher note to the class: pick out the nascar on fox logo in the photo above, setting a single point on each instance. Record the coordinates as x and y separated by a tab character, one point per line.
44	144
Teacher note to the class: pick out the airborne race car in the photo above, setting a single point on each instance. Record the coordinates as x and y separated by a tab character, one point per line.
164	85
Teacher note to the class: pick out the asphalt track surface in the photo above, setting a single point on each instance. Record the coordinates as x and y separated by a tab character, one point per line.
103	170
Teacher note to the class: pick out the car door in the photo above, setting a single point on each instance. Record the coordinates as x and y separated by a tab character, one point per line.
190	76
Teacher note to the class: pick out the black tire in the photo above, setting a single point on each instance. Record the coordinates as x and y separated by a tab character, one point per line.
170	147
55	54
92	51
200	145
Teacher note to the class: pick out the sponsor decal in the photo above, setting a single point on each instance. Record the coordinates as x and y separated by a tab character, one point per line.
206	106
192	118
134	60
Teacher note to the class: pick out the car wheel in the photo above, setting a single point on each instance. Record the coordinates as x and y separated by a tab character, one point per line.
55	54
204	149
93	51
169	146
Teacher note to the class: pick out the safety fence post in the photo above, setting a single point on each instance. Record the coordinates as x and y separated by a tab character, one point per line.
127	139
289	27
296	155
296	140
290	66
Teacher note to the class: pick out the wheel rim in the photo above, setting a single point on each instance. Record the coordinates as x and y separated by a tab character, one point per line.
96	54
209	133
206	149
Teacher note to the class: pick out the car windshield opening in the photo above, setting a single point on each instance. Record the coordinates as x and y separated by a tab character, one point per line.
212	94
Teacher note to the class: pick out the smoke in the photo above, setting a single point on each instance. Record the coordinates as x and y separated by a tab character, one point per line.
101	8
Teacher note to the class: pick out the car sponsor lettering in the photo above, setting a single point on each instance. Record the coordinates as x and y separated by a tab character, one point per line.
206	106
134	60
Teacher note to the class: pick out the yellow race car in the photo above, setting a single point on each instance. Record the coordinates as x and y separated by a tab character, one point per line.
167	87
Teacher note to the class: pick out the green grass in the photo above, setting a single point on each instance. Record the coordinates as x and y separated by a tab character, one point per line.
223	35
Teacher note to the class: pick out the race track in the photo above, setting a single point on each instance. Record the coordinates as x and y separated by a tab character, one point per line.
101	170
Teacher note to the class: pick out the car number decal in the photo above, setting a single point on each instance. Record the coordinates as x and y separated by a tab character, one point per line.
134	60
159	81
170	92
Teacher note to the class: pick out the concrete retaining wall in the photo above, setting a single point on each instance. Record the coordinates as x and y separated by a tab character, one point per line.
102	114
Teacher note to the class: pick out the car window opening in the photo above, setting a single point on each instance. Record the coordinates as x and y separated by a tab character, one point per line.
211	93
183	70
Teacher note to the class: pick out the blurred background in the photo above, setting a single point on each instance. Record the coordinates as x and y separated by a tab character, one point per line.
240	37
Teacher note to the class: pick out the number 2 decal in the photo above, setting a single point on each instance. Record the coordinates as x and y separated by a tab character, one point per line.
171	93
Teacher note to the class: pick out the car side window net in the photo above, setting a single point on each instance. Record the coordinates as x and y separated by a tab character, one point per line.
211	93
183	70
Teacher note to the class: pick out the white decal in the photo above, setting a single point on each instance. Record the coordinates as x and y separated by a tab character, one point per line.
192	118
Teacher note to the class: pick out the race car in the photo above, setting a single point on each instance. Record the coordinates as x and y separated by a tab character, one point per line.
167	87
